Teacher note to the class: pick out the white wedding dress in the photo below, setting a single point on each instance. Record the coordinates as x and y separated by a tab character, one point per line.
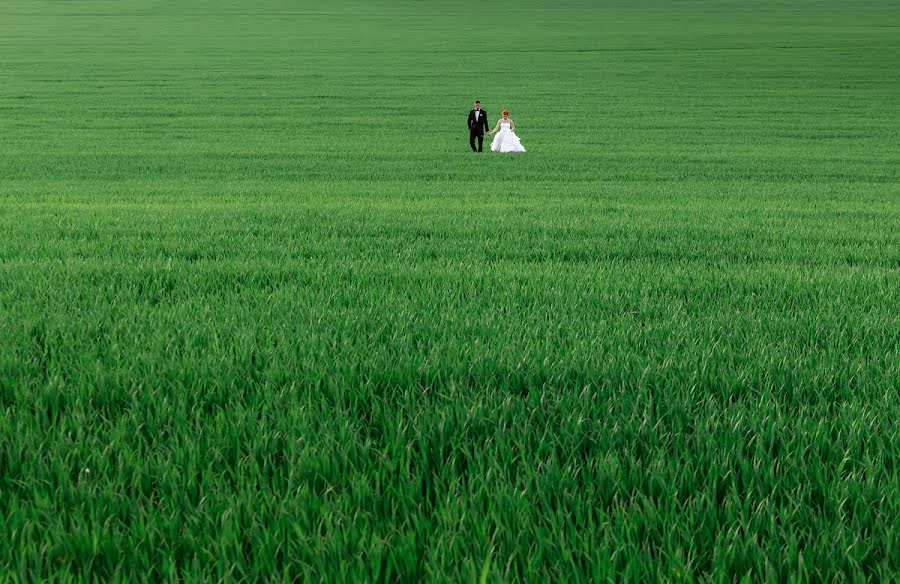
506	140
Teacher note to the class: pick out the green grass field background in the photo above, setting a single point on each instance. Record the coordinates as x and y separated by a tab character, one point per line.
265	316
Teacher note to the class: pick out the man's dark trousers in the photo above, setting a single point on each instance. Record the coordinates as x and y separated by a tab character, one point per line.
472	136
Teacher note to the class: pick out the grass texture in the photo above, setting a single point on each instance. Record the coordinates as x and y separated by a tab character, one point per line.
265	317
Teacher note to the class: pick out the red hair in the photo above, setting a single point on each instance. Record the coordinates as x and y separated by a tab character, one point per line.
505	113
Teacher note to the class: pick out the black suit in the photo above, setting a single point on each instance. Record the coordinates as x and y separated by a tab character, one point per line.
477	128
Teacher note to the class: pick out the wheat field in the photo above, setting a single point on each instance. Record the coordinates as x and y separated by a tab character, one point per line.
265	317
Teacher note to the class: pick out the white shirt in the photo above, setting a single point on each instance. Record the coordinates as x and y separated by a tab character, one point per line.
478	111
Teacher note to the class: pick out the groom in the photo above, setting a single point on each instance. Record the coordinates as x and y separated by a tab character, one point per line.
478	123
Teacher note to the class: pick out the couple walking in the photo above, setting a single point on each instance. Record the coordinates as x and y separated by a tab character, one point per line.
505	140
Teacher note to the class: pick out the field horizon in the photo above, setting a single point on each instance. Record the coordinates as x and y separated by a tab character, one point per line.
265	317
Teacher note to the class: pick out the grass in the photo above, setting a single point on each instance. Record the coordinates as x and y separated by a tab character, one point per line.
263	316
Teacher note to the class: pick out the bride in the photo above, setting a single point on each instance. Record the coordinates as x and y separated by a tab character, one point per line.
506	140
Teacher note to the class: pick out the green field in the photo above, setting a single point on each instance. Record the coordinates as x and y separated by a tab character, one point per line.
265	317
